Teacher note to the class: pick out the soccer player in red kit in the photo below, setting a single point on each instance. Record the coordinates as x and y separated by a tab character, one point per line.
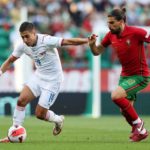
128	43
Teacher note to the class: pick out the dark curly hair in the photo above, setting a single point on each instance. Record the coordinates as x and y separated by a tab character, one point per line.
118	14
26	26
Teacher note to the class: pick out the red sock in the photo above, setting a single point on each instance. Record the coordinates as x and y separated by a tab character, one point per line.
127	117
126	107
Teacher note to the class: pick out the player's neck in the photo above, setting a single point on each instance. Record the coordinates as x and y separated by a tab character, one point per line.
122	29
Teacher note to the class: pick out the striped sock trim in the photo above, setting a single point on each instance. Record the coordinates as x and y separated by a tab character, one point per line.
20	108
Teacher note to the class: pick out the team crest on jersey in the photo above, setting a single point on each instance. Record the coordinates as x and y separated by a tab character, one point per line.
128	42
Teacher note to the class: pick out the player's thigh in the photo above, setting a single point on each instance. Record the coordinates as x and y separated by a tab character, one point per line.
34	84
133	84
30	91
26	96
49	95
119	92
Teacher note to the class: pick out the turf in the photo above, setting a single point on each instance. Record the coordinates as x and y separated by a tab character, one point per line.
79	133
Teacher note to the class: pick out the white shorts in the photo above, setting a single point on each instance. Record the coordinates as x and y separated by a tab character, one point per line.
46	90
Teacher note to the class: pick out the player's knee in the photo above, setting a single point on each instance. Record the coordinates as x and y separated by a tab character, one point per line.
118	93
21	102
115	96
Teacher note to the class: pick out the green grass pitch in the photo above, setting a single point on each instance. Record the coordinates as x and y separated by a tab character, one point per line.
79	133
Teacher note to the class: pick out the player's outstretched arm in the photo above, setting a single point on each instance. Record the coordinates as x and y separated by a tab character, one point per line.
96	49
74	41
7	64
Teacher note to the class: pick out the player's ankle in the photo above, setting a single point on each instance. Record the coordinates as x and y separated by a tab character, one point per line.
143	131
138	120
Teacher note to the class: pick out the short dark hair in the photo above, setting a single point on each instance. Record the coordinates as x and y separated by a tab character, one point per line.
118	14
26	26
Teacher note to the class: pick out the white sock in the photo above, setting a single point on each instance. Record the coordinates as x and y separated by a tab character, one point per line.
19	115
138	120
52	117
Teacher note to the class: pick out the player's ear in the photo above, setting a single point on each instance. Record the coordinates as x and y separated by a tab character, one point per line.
34	31
121	21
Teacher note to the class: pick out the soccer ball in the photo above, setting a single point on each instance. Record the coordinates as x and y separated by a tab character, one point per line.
17	134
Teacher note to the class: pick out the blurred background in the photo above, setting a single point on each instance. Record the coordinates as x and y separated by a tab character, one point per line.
84	73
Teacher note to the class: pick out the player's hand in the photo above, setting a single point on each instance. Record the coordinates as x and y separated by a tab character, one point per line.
92	39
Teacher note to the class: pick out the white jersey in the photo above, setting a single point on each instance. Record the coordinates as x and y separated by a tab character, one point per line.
45	56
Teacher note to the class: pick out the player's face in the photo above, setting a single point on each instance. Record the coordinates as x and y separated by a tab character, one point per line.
29	37
114	25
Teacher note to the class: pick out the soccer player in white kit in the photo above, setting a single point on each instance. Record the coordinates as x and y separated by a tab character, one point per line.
46	80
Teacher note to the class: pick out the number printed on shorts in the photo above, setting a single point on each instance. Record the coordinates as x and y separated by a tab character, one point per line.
52	95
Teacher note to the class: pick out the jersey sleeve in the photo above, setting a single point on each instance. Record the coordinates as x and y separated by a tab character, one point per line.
52	41
18	50
106	40
143	35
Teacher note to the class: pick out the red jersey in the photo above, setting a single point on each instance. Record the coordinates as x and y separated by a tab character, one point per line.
129	47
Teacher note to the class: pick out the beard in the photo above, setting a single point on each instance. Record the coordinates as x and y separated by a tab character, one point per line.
116	31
